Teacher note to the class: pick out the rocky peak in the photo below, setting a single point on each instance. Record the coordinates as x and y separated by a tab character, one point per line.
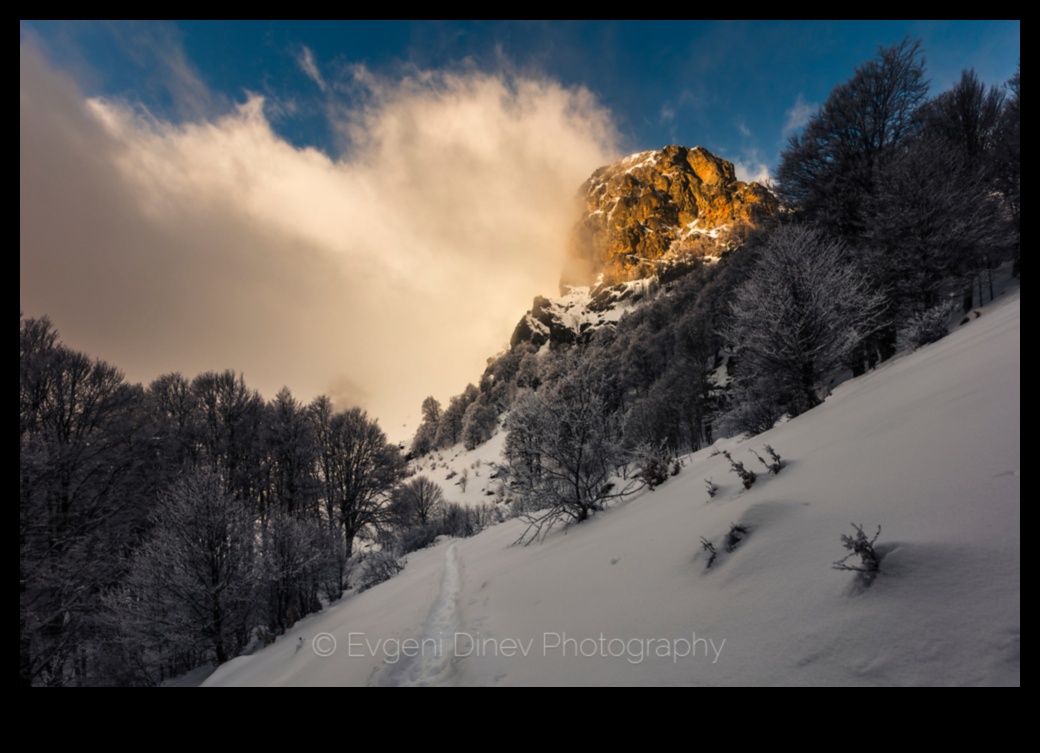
655	207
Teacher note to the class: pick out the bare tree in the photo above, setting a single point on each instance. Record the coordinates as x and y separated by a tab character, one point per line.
828	169
967	117
358	469
416	501
934	225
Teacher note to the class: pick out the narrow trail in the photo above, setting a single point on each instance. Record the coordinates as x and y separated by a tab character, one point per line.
434	661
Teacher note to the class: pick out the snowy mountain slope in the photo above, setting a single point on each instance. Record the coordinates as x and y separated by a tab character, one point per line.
447	466
927	446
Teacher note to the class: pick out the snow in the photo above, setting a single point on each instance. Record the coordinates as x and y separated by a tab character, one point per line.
572	309
692	228
638	160
446	467
927	446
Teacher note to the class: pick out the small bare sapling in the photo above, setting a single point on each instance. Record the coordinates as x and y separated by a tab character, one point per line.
860	546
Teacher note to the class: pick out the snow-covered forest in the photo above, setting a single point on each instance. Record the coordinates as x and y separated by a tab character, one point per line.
926	447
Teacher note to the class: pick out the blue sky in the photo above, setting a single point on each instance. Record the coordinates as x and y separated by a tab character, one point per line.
736	88
366	209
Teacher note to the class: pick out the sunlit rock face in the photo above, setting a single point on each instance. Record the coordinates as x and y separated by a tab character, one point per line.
645	220
658	207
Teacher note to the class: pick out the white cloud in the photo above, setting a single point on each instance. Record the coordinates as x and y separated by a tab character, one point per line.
750	167
798	115
383	277
305	59
756	172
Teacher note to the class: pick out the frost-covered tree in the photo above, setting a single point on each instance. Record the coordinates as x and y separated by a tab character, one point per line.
1009	156
449	430
84	452
478	424
294	559
193	586
800	315
564	449
426	434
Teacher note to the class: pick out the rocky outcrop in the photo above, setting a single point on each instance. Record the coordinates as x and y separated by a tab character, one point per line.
657	207
576	314
646	220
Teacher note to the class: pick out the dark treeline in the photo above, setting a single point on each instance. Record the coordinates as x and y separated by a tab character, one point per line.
925	192
165	527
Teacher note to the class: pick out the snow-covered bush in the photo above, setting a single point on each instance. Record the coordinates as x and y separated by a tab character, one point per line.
735	535
653	465
372	568
926	327
710	549
755	405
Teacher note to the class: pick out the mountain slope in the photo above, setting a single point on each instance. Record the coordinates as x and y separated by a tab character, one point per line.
927	446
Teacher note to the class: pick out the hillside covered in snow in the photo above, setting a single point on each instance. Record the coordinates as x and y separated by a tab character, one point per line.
926	447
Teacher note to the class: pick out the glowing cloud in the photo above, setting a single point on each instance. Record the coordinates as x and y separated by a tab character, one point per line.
378	278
